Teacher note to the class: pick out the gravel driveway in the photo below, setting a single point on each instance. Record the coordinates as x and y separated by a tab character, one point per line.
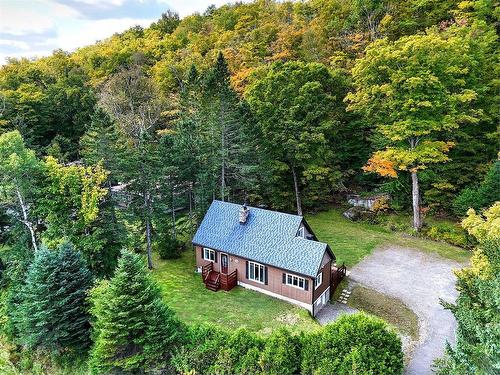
418	279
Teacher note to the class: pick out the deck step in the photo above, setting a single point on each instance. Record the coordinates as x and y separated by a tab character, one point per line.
212	287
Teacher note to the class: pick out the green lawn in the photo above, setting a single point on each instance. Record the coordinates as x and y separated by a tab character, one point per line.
392	310
351	241
185	293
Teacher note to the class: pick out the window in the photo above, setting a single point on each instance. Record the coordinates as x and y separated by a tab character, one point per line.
318	280
209	254
295	281
301	232
256	272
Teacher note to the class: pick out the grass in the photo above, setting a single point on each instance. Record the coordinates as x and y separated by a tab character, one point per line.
390	309
352	241
186	294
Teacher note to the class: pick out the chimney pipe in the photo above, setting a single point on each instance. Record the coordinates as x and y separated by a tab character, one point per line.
243	214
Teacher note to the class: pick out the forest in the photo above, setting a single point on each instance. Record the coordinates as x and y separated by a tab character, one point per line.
118	148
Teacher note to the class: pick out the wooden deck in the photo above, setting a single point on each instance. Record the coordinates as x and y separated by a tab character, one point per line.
338	273
215	280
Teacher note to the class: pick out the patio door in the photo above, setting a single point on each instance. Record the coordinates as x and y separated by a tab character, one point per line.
224	260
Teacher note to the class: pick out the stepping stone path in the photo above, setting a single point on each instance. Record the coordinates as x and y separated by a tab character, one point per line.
344	296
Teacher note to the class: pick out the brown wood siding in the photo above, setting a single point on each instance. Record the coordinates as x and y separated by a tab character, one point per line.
201	262
275	278
326	270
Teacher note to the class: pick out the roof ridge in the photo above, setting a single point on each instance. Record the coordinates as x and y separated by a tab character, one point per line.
258	208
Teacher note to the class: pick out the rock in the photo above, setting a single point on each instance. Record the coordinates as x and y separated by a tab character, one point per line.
358	213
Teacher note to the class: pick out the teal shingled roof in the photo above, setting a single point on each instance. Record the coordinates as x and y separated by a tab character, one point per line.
268	237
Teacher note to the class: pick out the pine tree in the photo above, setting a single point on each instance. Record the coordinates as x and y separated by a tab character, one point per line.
133	328
53	308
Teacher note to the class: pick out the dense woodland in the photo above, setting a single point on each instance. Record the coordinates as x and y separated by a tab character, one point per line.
122	145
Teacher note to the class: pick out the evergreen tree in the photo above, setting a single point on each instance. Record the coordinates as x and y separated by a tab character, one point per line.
226	131
133	328
53	308
482	196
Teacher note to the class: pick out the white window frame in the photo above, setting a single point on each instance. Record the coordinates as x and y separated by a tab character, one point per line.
318	280
208	253
261	272
295	281
302	232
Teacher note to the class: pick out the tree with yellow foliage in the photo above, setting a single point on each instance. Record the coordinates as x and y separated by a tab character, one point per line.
415	91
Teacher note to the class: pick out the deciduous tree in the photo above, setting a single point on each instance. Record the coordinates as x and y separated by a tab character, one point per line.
415	91
477	308
133	101
20	173
298	111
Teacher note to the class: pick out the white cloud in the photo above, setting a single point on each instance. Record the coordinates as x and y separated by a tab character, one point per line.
14	43
23	20
36	27
94	30
101	2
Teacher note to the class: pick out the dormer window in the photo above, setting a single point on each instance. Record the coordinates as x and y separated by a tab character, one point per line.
301	232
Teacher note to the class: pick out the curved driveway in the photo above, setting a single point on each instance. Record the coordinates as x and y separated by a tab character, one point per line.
420	280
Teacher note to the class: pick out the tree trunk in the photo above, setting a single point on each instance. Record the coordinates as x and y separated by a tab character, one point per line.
417	220
174	229
148	230
223	167
25	220
297	192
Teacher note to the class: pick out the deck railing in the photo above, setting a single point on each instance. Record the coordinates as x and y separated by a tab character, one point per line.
206	269
228	282
337	275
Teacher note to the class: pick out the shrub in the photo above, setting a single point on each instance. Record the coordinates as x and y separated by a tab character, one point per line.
353	344
452	234
169	247
240	355
204	343
280	354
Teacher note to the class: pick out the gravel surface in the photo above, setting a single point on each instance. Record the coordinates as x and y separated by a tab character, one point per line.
420	280
332	311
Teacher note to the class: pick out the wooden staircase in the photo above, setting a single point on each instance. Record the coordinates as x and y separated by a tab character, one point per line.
214	280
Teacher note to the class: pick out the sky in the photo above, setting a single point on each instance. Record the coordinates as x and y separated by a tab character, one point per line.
34	28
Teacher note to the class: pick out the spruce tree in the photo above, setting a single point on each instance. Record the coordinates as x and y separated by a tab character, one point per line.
228	150
133	328
53	308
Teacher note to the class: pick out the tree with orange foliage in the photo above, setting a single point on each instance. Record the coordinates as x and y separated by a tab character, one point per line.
415	91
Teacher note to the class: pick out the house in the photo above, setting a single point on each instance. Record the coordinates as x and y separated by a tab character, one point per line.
267	251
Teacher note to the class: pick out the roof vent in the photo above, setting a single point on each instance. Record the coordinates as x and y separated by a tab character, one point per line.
243	214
